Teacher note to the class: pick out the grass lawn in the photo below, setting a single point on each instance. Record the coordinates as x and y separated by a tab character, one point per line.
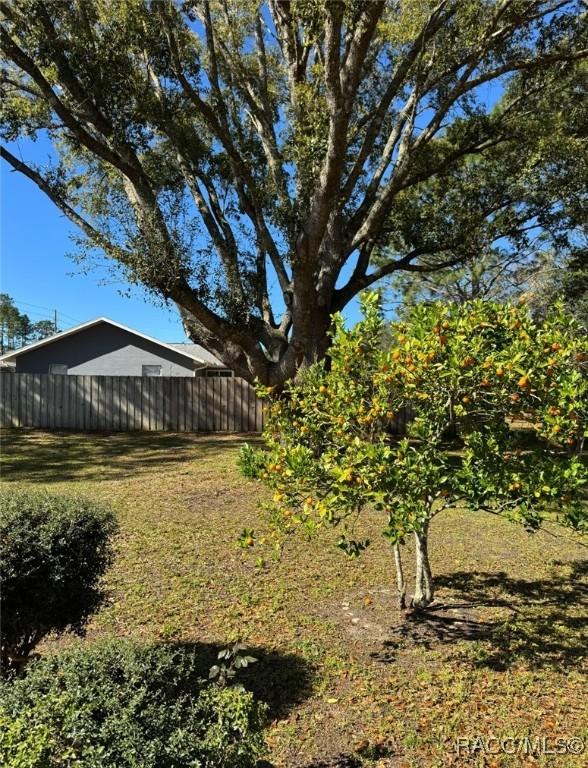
349	684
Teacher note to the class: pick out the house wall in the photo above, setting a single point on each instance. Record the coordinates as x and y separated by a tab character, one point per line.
104	350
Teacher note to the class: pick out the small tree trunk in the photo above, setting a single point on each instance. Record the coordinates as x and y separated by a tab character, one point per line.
399	578
423	590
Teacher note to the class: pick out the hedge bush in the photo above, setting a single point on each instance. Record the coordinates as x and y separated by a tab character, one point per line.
54	551
117	704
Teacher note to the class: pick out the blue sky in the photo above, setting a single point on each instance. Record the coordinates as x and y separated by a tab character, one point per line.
41	278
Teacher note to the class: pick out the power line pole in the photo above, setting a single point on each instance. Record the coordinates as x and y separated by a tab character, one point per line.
55	320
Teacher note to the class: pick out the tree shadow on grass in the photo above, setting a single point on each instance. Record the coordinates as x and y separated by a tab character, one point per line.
363	756
341	761
547	621
281	680
345	760
63	456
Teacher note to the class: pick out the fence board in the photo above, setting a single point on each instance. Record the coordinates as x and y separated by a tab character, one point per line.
9	402
5	395
252	399
100	401
208	413
50	417
89	405
65	403
27	411
138	402
122	405
77	395
64	400
116	402
216	426
4	383
187	417
141	411
69	402
173	403
158	402
73	398
152	394
109	402
37	403
59	390
21	405
201	402
14	404
43	400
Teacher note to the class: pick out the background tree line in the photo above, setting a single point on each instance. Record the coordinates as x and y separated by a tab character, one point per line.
17	329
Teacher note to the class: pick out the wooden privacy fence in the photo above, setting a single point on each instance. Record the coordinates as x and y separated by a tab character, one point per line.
128	403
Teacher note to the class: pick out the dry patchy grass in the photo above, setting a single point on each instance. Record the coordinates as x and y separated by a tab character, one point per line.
349	681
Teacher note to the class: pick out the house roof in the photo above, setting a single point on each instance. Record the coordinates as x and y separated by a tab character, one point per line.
193	351
199	352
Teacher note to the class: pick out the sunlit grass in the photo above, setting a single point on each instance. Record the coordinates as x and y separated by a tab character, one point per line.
504	654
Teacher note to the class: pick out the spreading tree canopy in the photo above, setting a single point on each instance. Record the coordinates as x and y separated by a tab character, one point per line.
538	248
246	159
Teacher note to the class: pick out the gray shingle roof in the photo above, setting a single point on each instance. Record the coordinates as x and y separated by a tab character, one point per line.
197	351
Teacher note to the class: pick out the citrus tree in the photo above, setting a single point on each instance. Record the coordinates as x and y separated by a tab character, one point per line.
498	406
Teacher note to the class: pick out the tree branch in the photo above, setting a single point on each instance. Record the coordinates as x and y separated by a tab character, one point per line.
93	234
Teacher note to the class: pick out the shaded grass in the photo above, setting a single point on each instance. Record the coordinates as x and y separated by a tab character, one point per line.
349	682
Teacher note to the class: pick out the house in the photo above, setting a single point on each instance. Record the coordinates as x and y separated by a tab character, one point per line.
102	347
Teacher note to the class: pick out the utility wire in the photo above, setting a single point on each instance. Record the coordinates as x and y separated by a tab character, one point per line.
48	309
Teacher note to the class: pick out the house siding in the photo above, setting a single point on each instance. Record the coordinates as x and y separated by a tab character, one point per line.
104	350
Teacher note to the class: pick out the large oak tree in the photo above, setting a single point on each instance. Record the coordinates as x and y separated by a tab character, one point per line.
246	160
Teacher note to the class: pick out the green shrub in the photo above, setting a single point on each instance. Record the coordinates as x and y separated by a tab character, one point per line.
251	462
54	551
120	705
